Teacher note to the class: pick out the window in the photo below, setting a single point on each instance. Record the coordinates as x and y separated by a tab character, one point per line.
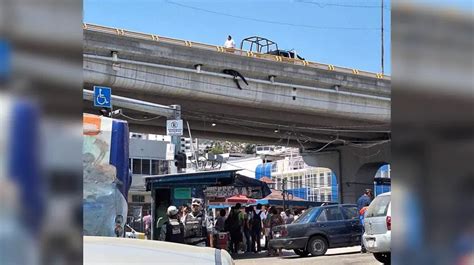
138	198
322	216
137	166
163	167
146	167
379	206
155	167
350	212
333	214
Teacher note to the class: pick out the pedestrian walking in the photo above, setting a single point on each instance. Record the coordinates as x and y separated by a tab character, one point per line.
289	217
173	229
147	224
275	220
247	228
220	222
256	228
363	201
233	225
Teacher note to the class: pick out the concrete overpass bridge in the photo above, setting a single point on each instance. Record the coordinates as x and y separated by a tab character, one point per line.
317	107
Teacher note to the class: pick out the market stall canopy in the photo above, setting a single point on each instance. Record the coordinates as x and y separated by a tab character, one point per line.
220	183
240	199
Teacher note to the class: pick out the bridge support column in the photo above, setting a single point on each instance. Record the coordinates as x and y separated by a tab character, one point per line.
355	167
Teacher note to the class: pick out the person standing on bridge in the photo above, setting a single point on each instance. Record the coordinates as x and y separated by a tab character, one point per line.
229	43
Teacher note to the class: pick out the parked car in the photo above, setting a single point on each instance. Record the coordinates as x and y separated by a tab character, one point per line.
378	226
320	228
113	250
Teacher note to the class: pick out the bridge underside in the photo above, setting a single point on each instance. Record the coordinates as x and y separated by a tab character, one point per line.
247	124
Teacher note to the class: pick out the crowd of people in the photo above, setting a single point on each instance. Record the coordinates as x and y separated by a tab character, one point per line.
246	226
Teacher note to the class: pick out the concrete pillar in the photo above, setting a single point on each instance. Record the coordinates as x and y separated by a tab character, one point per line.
355	167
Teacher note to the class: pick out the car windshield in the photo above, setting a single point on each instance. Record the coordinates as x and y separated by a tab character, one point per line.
307	216
379	206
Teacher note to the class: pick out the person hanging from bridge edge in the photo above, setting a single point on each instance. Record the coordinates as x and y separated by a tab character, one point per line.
229	43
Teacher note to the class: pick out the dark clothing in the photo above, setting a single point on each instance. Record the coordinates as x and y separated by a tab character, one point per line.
220	224
363	201
234	226
256	235
195	229
172	231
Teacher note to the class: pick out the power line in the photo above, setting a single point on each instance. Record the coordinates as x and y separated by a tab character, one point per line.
269	21
329	4
226	86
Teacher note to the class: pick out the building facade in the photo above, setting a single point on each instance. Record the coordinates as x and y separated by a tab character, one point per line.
309	183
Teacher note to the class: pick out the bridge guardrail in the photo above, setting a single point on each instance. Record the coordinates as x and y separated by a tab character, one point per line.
153	37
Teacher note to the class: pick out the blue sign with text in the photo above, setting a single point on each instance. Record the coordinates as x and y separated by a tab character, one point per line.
102	97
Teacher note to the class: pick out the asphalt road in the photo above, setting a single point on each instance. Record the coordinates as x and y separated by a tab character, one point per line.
339	256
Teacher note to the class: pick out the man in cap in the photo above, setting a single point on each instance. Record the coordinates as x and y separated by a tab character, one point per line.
172	230
195	225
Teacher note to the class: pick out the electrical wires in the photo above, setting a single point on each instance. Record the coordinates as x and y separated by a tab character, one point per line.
269	21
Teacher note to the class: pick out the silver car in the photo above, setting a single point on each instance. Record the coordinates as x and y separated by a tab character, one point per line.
113	250
378	226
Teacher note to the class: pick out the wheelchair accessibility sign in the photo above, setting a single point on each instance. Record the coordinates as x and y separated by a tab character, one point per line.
102	97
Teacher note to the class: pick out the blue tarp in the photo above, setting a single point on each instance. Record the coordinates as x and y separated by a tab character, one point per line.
289	203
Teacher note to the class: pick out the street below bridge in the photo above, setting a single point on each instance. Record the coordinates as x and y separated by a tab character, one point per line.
337	256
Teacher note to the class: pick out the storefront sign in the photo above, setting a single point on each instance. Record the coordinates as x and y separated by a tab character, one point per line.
229	191
182	193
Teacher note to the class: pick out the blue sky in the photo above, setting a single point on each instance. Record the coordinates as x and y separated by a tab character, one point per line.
339	32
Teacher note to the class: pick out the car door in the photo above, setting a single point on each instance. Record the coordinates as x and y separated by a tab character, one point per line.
333	224
352	220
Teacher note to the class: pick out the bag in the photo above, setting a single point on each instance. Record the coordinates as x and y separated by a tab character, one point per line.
231	223
256	221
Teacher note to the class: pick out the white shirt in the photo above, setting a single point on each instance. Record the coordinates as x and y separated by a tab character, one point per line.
229	43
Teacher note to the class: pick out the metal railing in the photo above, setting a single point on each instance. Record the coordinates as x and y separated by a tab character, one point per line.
190	44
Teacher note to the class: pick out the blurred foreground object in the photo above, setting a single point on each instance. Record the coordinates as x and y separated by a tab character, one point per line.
108	250
41	80
433	135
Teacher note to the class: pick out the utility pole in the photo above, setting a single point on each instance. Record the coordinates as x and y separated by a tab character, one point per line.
382	37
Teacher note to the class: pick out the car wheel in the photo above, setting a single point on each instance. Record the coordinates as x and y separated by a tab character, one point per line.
317	246
383	257
301	252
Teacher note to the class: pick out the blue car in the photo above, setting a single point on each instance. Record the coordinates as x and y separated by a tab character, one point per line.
320	228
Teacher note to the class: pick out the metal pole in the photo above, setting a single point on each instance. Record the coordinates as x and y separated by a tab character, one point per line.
382	38
176	139
135	104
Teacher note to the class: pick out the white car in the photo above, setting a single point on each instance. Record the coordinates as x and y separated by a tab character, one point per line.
378	227
113	250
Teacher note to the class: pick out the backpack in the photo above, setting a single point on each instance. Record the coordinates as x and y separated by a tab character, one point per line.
256	220
232	222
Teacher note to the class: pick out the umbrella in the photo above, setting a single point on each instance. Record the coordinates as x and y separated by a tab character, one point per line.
240	199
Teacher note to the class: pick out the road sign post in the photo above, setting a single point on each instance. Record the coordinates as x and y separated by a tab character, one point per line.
174	128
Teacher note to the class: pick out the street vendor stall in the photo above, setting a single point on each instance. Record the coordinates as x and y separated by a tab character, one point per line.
210	186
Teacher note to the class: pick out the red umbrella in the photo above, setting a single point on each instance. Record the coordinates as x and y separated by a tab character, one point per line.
240	199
